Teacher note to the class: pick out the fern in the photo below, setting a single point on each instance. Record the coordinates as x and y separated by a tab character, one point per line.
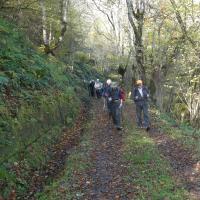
3	80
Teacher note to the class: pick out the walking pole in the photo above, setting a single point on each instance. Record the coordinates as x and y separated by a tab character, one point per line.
122	114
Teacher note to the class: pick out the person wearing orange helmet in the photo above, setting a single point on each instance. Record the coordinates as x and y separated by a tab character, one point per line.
140	95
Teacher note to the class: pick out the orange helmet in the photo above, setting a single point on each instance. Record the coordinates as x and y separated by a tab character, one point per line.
139	82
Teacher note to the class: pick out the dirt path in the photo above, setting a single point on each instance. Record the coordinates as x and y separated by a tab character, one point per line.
105	177
104	180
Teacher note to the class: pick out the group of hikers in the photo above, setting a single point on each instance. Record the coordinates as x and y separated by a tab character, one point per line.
95	88
114	96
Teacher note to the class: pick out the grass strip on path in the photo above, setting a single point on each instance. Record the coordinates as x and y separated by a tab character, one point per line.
148	170
67	186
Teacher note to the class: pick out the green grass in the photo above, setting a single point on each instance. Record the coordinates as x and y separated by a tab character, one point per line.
77	163
148	171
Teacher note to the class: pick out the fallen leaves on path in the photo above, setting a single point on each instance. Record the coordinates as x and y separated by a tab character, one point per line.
104	180
59	153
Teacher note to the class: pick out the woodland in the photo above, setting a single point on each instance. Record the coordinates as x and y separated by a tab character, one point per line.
51	49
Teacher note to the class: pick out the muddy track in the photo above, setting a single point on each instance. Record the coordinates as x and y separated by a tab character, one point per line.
186	168
105	177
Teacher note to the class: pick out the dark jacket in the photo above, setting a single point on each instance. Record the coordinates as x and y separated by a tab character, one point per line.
106	90
114	93
136	96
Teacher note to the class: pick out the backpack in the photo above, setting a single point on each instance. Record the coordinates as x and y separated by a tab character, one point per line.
122	95
114	93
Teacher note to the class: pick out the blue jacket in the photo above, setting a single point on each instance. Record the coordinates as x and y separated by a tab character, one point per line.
106	91
136	96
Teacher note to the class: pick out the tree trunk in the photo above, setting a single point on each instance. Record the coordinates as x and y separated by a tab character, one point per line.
157	78
136	19
139	49
44	23
64	5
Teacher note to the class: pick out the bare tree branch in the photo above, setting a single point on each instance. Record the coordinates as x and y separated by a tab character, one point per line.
101	33
182	24
110	19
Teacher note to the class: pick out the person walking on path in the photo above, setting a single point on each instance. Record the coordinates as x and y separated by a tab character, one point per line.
106	91
140	95
115	100
98	87
91	88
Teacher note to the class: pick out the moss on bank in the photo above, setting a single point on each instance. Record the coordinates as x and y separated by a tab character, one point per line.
39	96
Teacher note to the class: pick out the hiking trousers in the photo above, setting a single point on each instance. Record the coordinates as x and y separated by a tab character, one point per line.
98	93
142	110
109	105
116	113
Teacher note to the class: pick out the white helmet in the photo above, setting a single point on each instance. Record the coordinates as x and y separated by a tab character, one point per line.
108	81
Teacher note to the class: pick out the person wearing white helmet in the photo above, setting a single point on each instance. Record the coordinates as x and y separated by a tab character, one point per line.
106	89
108	81
115	99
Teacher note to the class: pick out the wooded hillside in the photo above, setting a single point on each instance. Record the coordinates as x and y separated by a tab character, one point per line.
40	95
51	49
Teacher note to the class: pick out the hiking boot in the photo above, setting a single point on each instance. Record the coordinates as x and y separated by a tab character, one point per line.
119	128
147	128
